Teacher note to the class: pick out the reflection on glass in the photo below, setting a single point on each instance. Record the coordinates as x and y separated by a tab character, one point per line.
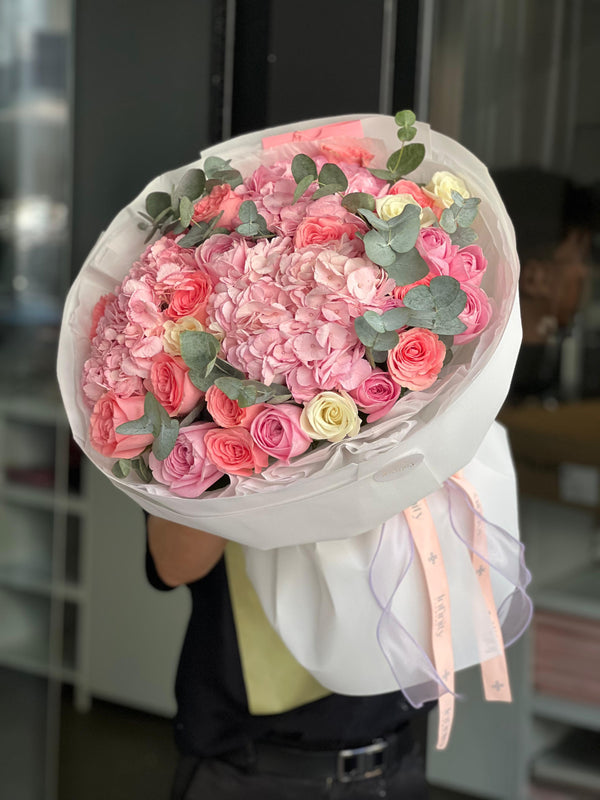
34	181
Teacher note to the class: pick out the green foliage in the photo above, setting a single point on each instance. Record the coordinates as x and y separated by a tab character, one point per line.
331	179
356	200
156	421
252	223
248	393
390	238
437	306
457	219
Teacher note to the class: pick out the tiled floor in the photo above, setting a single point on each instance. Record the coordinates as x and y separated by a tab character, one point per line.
113	753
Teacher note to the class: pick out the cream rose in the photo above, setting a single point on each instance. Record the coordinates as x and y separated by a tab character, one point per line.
331	416
392	205
172	332
441	186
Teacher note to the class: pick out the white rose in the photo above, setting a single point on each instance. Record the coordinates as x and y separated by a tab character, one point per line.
172	332
392	205
331	416
441	186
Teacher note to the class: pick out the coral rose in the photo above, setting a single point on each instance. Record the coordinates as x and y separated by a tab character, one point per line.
171	385
186	470
109	412
234	451
320	230
190	297
226	412
222	198
415	362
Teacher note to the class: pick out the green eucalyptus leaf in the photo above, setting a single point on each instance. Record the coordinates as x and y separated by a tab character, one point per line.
383	174
406	134
385	341
231	176
365	332
141	427
186	211
356	200
164	441
406	159
405	229
405	119
191	185
332	175
302	187
378	250
248	229
157	202
463	237
303	167
247	397
447	221
121	468
230	386
466	216
450	327
200	381
408	267
444	290
214	164
422	319
248	212
225	368
395	318
458	199
198	350
194	237
420	299
375	321
142	469
373	220
330	188
379	356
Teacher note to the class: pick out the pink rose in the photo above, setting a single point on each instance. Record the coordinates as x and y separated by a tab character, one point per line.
376	395
276	430
222	198
226	412
109	412
417	359
435	244
234	451
320	230
186	470
468	264
476	315
98	312
190	297
171	385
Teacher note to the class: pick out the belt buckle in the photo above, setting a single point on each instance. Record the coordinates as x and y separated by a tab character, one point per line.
361	763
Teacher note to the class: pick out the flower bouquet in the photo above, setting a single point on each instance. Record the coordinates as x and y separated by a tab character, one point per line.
292	342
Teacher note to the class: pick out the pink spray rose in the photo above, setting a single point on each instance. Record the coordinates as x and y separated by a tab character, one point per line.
417	359
226	412
476	315
276	430
109	412
171	385
400	291
186	470
376	395
234	451
320	230
222	198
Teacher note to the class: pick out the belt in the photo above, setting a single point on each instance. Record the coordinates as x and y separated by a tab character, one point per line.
346	765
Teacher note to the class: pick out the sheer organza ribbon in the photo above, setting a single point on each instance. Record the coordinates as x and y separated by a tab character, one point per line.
490	548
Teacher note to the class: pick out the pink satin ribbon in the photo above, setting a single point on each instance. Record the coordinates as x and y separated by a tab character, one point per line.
494	670
353	128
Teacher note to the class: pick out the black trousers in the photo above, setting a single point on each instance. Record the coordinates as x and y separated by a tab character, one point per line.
214	779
